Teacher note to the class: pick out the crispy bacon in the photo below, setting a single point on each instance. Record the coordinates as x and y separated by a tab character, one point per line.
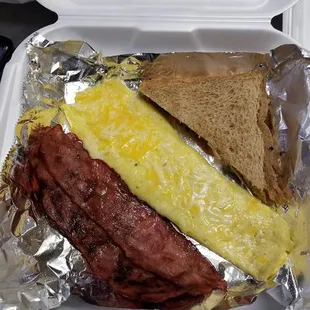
106	260
123	240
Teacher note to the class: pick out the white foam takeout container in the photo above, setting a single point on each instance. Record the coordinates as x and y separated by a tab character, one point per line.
127	26
296	22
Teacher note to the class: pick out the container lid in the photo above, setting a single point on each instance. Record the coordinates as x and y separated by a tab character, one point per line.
197	9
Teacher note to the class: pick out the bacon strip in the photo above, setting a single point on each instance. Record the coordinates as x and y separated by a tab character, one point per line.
125	242
106	260
147	239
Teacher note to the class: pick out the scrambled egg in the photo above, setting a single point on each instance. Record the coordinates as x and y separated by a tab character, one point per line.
119	127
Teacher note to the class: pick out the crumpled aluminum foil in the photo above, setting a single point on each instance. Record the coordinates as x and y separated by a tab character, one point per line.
289	88
39	268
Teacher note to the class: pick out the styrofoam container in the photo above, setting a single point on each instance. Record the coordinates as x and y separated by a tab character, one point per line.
126	26
296	22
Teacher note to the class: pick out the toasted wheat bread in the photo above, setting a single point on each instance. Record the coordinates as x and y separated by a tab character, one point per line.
231	113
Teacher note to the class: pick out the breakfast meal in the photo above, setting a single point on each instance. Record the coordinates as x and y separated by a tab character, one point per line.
143	207
134	139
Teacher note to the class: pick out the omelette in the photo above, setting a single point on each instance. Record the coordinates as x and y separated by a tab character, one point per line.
119	127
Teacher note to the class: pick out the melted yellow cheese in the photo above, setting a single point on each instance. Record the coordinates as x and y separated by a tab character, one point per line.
125	131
